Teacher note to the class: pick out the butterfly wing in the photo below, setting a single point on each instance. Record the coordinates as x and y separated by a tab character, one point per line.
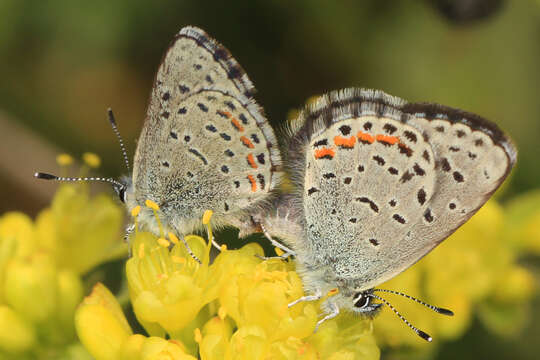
205	143
382	185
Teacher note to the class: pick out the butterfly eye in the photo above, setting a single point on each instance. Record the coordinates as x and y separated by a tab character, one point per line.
122	195
121	191
361	300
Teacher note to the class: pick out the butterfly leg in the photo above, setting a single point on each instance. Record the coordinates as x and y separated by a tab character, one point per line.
128	231
281	257
334	311
277	244
190	252
314	297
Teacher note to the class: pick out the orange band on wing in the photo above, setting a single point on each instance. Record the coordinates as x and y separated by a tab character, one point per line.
365	137
237	125
345	142
251	161
253	183
247	142
325	153
390	140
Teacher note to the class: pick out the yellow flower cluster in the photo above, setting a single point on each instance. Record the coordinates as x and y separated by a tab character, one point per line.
233	308
474	273
41	264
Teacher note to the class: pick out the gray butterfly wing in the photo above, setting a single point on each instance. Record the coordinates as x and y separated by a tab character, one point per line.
205	143
377	191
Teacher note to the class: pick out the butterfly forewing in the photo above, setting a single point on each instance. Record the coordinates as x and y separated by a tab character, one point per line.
205	143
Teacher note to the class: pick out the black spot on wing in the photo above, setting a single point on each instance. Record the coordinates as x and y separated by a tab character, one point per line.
198	155
410	135
329	175
211	128
458	176
345	129
406	176
322	142
379	160
261	180
421	195
428	216
243	118
389	128
418	170
312	190
398	218
371	204
203	107
225	136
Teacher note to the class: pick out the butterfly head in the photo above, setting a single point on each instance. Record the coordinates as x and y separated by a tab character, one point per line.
362	303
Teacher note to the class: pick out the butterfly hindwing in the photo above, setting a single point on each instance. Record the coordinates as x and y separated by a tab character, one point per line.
382	185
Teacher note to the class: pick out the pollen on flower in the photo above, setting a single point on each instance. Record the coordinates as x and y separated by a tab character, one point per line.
206	217
173	238
222	313
141	251
64	159
152	205
136	210
163	242
178	260
91	159
198	335
223	247
163	276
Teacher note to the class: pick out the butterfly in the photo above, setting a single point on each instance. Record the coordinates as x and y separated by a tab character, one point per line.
205	143
379	182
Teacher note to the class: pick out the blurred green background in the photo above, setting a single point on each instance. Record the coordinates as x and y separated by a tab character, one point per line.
63	63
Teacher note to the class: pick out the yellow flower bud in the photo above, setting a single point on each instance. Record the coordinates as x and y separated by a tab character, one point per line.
101	325
16	334
70	294
64	159
91	159
155	348
19	227
31	286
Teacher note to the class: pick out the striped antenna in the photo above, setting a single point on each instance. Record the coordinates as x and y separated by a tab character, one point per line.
434	308
118	136
418	332
46	176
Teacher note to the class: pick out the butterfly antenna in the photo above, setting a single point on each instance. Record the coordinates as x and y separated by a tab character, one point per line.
418	332
118	136
46	176
434	308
